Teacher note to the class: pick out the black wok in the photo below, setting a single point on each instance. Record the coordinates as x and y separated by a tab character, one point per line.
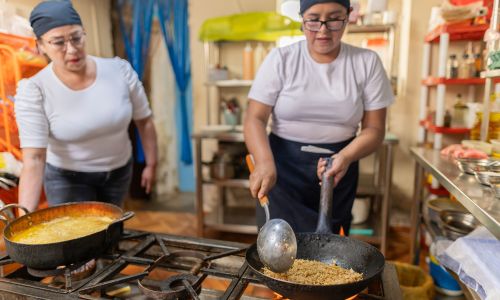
325	246
77	250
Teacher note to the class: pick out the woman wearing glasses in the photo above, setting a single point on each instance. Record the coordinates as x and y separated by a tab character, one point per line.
319	92
73	118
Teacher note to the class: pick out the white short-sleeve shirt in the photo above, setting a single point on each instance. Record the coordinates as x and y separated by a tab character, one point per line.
84	130
320	103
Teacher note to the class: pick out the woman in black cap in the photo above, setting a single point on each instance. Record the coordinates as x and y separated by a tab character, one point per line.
73	118
320	92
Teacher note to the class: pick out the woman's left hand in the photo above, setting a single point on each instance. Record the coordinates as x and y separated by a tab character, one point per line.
339	167
148	178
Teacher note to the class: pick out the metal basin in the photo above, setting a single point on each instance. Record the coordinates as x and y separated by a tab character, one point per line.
456	224
468	165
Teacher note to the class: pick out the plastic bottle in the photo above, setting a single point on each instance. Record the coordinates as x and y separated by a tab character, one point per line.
494	124
478	65
452	67
463	69
248	63
447	119
258	57
459	113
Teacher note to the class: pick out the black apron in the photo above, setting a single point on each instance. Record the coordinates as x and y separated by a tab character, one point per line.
295	197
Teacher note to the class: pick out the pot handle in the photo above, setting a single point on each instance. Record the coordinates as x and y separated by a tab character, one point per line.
127	215
5	215
115	225
325	204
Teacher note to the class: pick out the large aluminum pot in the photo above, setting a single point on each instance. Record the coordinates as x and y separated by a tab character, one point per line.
80	249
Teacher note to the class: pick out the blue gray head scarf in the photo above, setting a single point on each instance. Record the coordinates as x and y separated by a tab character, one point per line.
305	4
51	14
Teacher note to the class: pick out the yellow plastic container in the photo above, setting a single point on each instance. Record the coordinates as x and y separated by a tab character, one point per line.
415	283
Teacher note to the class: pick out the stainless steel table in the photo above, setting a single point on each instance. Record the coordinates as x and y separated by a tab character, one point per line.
479	200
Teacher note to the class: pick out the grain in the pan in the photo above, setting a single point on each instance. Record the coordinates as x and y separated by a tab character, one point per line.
315	273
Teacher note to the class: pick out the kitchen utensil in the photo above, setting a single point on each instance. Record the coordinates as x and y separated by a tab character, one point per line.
456	224
495	187
484	177
325	246
81	249
435	206
467	165
276	241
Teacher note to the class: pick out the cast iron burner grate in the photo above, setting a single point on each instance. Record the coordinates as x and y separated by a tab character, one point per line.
159	266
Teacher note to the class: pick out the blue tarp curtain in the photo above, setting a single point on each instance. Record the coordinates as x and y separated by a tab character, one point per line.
173	19
136	40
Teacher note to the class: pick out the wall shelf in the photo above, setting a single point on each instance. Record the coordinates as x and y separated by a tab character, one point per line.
458	32
230	83
351	28
433	81
444	130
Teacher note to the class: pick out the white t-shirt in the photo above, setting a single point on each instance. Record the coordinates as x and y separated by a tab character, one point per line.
85	130
320	103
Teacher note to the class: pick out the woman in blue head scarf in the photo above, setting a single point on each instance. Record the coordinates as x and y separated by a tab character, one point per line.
73	118
320	92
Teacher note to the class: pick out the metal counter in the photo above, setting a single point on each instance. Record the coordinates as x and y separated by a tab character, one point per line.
479	200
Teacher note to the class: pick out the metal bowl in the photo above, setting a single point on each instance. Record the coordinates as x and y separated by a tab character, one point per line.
456	224
467	165
487	177
496	189
437	205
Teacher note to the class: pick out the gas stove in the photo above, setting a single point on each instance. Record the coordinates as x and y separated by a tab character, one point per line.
159	266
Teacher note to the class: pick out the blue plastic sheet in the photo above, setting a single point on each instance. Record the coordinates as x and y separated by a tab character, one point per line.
136	41
173	16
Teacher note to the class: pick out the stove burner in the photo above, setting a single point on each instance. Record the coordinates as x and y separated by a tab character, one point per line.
182	286
65	276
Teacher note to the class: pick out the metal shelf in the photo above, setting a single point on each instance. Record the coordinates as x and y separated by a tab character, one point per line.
232	183
367	186
369	28
230	83
373	223
221	135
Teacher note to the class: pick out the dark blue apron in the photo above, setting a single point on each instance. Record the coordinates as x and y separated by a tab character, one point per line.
295	197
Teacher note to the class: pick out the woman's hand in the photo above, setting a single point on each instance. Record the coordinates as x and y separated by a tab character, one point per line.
148	178
262	179
339	167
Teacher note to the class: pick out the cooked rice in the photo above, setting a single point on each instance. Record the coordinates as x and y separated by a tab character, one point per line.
316	273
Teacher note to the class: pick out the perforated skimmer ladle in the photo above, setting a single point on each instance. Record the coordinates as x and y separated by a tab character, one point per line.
276	241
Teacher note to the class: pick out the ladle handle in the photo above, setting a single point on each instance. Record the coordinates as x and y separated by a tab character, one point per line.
325	204
251	166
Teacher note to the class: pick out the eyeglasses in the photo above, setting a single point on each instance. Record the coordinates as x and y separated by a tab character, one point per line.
332	24
60	44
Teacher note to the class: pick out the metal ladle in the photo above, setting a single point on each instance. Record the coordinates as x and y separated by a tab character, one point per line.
276	241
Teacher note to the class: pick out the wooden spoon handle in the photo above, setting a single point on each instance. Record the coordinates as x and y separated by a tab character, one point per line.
251	166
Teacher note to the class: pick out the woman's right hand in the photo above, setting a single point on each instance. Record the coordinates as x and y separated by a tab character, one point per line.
262	179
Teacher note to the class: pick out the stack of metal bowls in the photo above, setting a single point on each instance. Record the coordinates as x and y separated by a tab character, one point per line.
496	190
467	165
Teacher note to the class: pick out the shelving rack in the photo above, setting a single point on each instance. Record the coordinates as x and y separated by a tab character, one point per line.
443	35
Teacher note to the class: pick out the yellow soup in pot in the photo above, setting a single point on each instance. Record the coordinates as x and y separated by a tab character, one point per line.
62	229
